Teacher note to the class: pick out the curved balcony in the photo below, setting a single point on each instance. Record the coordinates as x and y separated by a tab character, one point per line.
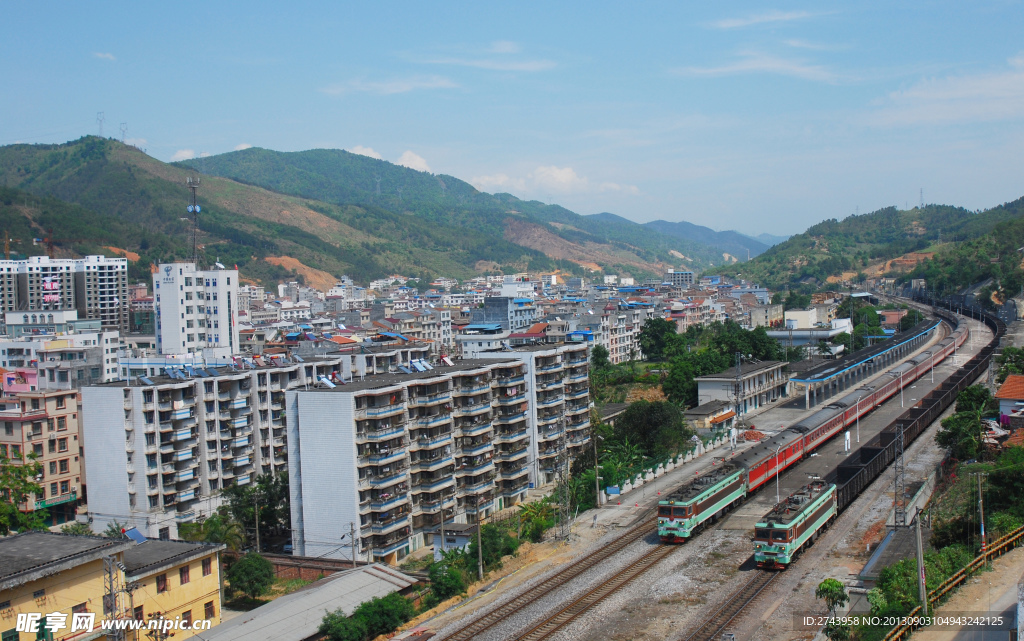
577	376
550	419
550	367
475	468
515	489
577	409
380	435
580	393
474	429
478	487
508	418
514	473
511	380
383	505
550	401
381	458
469	390
390	525
434	485
430	421
502	399
513	455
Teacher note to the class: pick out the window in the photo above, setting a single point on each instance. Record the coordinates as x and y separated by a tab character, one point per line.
53	467
209	612
64	467
49	425
60	402
139	613
12	634
35	403
53	446
15	451
9	428
81	607
3	451
207	570
165	535
183	574
65	487
62	445
154	501
186	619
161	581
38	594
62	423
53	489
37	449
152	482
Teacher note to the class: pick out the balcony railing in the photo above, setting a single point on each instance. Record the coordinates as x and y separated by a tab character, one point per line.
431	399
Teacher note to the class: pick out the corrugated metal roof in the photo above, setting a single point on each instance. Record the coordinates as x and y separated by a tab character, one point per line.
296	616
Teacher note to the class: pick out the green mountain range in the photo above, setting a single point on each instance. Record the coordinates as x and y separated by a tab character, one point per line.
314	214
863	245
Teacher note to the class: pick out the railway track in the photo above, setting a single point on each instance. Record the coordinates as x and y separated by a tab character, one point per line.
553	582
567	614
733	607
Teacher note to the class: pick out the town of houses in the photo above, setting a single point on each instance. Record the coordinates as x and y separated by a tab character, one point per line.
430	401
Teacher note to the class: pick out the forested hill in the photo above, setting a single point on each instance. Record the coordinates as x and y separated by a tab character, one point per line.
861	245
340	177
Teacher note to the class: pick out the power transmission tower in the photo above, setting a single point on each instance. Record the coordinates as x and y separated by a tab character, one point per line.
124	130
113	588
378	185
900	485
99	121
193	208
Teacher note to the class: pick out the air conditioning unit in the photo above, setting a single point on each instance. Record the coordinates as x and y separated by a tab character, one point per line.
53	437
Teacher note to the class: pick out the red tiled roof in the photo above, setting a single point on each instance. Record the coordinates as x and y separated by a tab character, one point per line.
1013	388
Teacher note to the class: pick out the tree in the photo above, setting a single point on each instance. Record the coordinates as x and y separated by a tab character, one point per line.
975	398
217	528
962	435
80	529
498	543
834	594
338	627
845	340
1006	482
654	337
599	358
114	530
1011	361
446	580
252	575
657	428
269	497
18	482
383	615
823	349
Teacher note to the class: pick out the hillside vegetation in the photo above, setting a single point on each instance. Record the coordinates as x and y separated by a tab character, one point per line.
833	248
613	243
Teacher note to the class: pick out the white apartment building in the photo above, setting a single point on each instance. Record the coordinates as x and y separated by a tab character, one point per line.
65	352
558	402
159	450
96	286
388	454
195	309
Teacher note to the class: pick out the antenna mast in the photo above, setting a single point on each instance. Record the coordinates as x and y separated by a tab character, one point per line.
193	184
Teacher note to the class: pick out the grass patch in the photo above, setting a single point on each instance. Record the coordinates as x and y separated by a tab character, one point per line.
244	604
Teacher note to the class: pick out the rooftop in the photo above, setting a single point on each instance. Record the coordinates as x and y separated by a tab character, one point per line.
1013	388
791	506
707	409
297	616
152	555
32	555
375	381
746	369
694	488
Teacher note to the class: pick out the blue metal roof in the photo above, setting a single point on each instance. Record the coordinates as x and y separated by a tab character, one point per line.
483	326
876	354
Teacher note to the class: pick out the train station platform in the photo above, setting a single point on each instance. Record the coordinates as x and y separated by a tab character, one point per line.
827	380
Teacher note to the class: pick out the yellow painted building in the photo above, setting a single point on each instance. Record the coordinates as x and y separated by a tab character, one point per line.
43	573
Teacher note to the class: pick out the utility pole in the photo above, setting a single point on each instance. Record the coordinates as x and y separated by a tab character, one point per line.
258	548
480	543
112	590
922	590
900	483
981	510
352	541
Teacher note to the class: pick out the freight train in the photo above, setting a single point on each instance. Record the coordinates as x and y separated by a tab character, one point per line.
684	511
793	523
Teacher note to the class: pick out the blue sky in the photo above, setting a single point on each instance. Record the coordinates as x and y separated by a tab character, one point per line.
752	116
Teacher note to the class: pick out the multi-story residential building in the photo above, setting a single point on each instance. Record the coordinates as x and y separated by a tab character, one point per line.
195	309
558	403
390	453
46	424
96	286
765	315
70	575
679	278
80	354
513	314
182	439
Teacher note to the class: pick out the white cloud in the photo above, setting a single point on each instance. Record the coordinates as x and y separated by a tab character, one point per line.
498	182
495	65
389	87
549	178
183	154
504	46
986	97
365	151
413	161
105	56
761	18
761	63
135	142
241	146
